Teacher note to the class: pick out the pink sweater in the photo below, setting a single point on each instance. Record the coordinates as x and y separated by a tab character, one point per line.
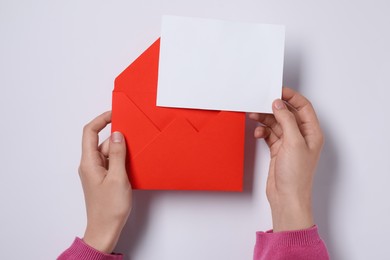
291	245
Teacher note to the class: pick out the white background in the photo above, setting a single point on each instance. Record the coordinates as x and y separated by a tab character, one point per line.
58	60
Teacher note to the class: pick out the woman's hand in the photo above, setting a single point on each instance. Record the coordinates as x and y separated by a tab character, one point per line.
107	190
295	139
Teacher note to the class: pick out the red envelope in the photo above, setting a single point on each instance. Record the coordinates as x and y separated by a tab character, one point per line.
171	148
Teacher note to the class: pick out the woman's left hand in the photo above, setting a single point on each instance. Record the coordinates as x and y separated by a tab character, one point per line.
107	190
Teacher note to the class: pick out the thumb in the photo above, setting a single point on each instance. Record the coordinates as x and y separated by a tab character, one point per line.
117	153
286	119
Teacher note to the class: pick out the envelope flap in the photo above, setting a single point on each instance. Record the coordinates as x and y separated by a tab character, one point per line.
137	128
139	83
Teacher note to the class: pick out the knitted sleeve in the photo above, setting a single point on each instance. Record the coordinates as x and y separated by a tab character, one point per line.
290	245
81	251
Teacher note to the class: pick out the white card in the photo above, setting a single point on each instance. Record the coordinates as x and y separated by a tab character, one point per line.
220	65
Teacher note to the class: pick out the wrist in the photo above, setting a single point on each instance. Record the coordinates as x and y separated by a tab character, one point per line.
293	215
103	240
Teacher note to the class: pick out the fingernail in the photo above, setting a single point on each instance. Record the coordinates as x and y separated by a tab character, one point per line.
116	137
279	104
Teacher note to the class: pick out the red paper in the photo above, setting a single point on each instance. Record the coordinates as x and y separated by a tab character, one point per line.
171	148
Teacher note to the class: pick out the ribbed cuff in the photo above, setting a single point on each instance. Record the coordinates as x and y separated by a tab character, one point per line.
82	251
304	237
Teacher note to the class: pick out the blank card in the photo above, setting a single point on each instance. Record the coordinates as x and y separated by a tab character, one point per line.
220	65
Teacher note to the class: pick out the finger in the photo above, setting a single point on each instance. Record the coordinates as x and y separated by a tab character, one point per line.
287	121
267	120
90	133
271	139
117	154
267	134
104	147
262	132
303	107
305	113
